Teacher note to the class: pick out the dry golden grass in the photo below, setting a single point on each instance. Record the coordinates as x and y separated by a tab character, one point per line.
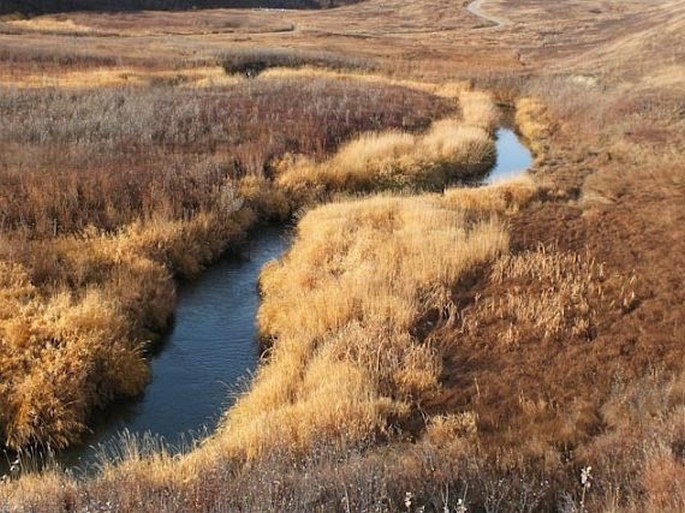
478	109
534	123
149	23
351	315
451	149
51	25
206	76
457	149
70	338
68	350
446	429
450	89
572	286
608	78
39	490
502	198
340	311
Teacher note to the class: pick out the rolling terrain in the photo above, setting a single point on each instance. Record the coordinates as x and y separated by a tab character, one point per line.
400	373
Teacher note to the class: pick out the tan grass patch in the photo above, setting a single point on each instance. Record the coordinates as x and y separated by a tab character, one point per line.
44	24
340	310
506	197
479	109
209	76
368	77
450	149
534	123
570	285
449	89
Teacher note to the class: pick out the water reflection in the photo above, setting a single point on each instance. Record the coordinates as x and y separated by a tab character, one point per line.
513	158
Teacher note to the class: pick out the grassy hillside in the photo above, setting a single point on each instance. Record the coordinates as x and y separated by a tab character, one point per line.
56	6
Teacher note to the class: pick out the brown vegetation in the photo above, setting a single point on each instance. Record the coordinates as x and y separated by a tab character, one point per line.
449	151
565	352
171	148
143	185
355	354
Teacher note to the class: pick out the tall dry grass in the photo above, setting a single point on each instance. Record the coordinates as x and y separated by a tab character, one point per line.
78	341
365	74
31	68
535	124
108	194
343	315
505	198
352	317
478	109
572	288
449	150
114	155
121	76
637	466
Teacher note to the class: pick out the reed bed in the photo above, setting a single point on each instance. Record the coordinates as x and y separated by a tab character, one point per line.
450	150
109	194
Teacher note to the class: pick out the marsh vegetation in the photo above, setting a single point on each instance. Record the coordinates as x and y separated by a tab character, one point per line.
427	347
152	184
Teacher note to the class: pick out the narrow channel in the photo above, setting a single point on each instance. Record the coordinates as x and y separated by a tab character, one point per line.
212	344
512	160
209	348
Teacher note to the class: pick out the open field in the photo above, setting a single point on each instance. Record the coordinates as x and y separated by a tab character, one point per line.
481	345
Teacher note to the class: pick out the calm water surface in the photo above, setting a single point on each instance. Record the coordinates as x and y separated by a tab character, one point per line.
513	158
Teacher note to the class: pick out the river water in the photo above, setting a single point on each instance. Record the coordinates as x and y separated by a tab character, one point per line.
212	346
513	158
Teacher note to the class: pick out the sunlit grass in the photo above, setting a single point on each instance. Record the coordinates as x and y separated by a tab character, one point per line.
451	149
340	310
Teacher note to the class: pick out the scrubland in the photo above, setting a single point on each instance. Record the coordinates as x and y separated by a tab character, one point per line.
428	347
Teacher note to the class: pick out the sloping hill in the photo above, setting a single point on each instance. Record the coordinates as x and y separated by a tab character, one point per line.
52	6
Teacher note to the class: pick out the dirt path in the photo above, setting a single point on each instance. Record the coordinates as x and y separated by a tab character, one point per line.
475	8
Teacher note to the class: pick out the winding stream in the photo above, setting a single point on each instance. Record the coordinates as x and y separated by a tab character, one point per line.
212	343
200	362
